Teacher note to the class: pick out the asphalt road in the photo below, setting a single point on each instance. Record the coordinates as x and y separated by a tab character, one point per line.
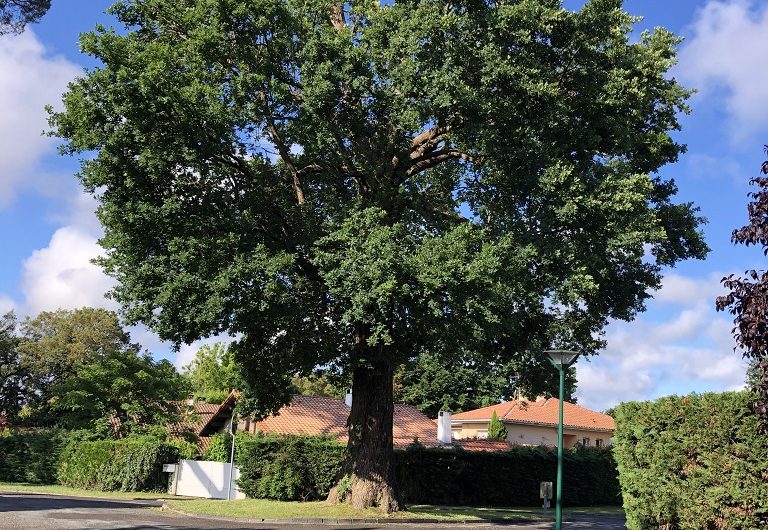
52	512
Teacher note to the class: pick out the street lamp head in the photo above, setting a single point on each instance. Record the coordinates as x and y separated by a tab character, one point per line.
562	358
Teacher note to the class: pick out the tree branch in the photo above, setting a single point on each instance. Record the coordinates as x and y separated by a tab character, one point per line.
337	17
435	158
285	154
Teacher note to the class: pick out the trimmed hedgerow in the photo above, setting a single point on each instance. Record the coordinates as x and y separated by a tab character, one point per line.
129	464
305	468
288	467
31	456
505	478
692	462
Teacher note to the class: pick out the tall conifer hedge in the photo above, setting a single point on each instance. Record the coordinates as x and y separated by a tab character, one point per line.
693	462
305	467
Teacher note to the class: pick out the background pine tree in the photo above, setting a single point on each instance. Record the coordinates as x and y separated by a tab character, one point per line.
496	429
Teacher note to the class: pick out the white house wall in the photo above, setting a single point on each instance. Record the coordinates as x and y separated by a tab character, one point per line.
532	434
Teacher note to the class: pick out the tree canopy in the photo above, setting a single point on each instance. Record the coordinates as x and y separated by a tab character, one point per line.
213	373
55	345
118	393
356	184
13	374
16	14
79	369
432	383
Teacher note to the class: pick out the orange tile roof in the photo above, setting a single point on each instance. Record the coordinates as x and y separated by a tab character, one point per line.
477	444
193	418
542	412
311	415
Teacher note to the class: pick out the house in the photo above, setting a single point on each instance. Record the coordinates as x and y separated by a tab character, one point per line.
202	420
326	416
534	422
314	415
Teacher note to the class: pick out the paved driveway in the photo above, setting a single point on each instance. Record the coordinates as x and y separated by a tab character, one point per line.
48	512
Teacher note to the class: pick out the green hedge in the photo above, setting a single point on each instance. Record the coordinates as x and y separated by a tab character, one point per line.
693	462
505	478
305	468
130	464
31	456
288	467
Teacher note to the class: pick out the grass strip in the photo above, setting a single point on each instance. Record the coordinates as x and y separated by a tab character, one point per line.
268	509
55	489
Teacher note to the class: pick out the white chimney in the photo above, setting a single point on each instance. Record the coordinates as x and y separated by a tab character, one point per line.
444	427
348	398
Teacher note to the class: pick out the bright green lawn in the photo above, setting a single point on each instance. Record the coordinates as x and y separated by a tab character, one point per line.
266	509
21	487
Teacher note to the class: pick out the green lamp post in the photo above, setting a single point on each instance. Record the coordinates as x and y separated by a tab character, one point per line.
562	359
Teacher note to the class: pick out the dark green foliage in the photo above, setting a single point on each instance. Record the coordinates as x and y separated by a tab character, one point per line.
31	456
505	478
447	176
323	383
81	370
692	462
128	387
444	182
288	467
304	468
13	374
459	383
16	14
218	449
496	429
130	464
213	373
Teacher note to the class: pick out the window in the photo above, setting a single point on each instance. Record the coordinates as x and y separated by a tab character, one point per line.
598	442
585	442
483	435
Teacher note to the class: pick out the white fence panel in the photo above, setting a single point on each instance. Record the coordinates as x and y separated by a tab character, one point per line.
195	478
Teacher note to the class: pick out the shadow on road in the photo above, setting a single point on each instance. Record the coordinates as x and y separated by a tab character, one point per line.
15	502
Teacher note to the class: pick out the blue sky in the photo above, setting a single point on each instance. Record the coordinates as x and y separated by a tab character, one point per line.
679	345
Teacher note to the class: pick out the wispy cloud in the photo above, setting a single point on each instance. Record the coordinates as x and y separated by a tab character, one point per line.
679	345
725	59
30	79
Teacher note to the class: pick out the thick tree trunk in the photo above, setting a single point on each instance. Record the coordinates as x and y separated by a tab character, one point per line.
368	476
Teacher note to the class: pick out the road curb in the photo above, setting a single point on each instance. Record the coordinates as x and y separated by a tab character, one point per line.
334	521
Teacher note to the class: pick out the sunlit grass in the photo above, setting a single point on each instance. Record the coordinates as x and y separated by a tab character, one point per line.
267	509
21	487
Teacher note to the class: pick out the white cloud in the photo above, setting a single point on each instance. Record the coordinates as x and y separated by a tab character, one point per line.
6	304
677	289
724	58
30	80
62	276
680	345
704	166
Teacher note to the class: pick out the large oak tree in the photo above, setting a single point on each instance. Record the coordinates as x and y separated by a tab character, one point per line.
355	184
